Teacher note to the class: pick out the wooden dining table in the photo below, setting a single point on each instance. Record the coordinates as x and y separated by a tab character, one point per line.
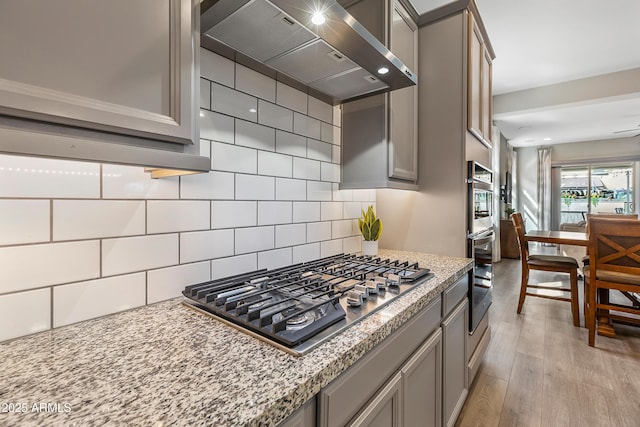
576	238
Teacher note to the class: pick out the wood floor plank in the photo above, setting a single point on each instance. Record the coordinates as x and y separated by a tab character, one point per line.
544	369
484	406
523	401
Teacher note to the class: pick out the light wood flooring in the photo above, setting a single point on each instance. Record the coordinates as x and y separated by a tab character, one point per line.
540	371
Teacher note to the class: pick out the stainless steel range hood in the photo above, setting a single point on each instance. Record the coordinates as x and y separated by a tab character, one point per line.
338	58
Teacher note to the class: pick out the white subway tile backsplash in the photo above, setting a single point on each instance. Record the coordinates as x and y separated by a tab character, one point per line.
306	126
231	266
255	187
306	168
290	235
320	110
291	98
275	116
216	127
212	185
132	182
331	247
330	211
254	239
291	189
274	164
341	229
205	94
274	259
204	245
254	83
330	133
205	148
319	191
341	195
39	177
169	282
330	172
275	155
305	253
170	216
364	196
255	136
290	143
317	231
87	300
87	219
270	213
351	245
34	266
131	254
230	214
353	209
232	158
24	221
217	68
306	211
25	313
336	154
319	150
233	103
337	115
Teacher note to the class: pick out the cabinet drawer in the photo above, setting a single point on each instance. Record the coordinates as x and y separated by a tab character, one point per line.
341	400
454	294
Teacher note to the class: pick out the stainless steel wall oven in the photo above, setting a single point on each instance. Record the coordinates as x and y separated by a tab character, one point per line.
480	237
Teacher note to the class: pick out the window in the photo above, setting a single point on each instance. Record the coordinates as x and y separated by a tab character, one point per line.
594	189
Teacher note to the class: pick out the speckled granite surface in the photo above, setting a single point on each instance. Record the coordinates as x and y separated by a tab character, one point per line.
166	364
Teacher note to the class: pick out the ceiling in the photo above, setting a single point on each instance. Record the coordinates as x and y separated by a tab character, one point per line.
565	71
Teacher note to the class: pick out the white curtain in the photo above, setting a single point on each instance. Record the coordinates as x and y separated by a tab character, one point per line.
544	188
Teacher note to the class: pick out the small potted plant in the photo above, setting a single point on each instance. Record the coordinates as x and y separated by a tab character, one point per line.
508	210
371	229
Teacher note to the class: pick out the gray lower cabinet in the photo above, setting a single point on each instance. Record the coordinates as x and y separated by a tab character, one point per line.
422	385
417	377
385	408
454	367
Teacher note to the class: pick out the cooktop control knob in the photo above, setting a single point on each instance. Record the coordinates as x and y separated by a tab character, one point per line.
373	287
381	282
355	298
393	280
363	289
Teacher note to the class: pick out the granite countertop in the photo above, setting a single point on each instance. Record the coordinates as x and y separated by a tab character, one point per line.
166	364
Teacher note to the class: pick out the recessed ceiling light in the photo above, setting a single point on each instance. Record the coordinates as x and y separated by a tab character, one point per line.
383	70
547	139
201	114
253	110
318	18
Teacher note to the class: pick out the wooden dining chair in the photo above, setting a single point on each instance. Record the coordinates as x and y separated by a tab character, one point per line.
585	262
614	264
554	263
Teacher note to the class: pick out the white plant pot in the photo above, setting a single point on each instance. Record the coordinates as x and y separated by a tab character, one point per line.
369	247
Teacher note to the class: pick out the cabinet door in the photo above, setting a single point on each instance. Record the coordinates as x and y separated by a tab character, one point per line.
422	385
403	111
486	95
474	80
121	66
384	409
454	365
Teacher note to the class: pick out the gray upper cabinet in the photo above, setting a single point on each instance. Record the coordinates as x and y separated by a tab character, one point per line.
101	68
479	84
380	132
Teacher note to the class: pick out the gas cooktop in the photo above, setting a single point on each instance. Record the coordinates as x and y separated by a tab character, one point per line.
300	306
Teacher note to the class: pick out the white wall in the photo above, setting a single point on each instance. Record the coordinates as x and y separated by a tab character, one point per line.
81	240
